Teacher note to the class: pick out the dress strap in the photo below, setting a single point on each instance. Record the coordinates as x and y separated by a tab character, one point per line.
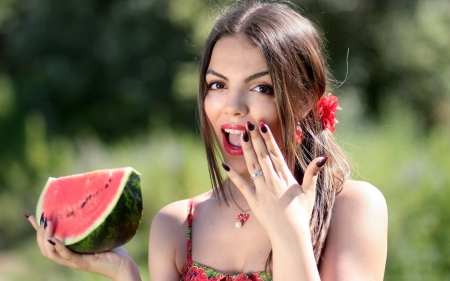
189	232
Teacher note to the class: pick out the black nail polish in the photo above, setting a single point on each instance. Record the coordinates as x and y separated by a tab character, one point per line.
26	216
51	242
263	127
45	223
42	218
250	126
322	162
226	167
245	136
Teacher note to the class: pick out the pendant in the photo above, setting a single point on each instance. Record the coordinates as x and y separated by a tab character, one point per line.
240	219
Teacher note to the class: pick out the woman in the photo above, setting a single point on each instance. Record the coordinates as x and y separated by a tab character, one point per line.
288	209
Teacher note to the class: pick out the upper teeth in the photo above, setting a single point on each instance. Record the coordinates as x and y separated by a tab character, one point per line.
231	131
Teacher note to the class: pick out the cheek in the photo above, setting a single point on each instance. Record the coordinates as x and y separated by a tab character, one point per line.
213	109
270	114
212	106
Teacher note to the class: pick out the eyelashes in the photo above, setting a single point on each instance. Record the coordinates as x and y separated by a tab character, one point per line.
264	89
261	88
216	85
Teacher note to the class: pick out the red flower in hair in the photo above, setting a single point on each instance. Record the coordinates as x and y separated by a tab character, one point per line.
326	109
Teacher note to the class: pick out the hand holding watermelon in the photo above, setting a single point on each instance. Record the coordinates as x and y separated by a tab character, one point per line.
116	264
82	220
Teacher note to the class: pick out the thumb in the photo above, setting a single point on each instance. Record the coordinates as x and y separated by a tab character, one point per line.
313	169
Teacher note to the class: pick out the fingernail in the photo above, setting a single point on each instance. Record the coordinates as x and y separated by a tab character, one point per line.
51	242
245	137
45	223
322	162
226	167
250	126
42	218
263	127
26	216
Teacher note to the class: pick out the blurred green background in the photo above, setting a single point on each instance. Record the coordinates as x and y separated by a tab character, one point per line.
93	84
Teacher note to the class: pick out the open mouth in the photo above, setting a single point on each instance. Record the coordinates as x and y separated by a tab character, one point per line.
232	140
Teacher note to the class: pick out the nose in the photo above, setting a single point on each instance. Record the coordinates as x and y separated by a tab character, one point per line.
237	102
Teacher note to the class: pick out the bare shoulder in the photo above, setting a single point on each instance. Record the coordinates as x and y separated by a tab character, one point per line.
356	245
362	196
171	216
167	239
170	225
360	211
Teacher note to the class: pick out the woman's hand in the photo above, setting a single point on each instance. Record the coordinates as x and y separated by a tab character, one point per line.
115	264
276	198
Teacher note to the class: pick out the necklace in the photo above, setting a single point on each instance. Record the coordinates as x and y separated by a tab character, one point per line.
242	217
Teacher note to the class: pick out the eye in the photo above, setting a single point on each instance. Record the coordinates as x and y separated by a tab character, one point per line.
216	86
264	89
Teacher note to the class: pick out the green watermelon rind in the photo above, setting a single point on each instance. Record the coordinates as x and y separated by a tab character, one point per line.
120	225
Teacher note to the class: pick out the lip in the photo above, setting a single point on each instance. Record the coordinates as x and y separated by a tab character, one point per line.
232	150
233	127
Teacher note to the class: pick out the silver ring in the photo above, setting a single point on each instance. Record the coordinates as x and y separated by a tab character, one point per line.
255	175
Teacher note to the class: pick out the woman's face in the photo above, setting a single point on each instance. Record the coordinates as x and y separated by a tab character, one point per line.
240	89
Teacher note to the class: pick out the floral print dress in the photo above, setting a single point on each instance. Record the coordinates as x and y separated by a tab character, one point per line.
194	271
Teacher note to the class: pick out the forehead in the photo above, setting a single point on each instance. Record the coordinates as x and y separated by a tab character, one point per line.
234	53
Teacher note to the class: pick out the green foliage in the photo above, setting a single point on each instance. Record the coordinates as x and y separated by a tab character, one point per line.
395	48
102	65
105	67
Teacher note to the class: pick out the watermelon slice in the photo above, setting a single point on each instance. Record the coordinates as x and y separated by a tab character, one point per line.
93	212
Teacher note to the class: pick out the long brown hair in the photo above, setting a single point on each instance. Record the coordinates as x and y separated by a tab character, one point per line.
295	58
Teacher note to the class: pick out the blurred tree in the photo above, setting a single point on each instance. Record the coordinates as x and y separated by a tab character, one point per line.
397	50
104	65
101	67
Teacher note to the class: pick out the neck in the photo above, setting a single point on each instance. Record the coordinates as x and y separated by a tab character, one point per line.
235	196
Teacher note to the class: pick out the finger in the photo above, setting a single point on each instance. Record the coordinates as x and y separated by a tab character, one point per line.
313	169
240	183
65	256
40	235
274	152
46	235
32	221
56	251
251	160
257	158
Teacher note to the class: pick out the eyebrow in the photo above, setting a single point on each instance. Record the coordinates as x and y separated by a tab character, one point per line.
248	79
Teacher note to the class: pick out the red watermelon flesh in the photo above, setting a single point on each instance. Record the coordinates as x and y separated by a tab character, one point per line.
93	212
